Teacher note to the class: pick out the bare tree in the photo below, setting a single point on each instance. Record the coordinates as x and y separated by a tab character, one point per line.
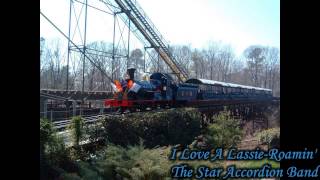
182	55
225	57
255	57
212	57
198	64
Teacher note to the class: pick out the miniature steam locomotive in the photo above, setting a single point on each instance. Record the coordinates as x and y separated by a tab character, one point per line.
161	90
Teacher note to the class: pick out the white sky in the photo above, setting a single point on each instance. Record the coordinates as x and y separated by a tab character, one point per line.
240	23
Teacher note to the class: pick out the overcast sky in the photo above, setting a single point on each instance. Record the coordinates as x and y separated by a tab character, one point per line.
239	23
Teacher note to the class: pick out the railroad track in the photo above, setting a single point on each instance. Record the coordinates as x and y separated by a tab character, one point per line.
62	124
93	118
87	119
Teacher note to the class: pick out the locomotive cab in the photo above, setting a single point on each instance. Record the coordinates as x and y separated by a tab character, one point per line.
164	84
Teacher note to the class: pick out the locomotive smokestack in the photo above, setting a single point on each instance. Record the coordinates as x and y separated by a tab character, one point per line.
130	72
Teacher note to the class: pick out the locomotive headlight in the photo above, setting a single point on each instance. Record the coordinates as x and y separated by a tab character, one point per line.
164	88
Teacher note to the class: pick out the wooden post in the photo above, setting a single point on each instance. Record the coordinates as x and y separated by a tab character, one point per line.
51	115
101	109
45	108
74	108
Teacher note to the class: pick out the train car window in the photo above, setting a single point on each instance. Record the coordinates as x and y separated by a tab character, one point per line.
204	88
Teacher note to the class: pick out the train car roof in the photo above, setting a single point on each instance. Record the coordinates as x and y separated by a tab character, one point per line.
212	82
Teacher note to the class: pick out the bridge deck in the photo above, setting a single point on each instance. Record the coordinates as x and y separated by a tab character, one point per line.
77	95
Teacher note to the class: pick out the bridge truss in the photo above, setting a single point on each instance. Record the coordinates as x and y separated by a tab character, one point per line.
133	21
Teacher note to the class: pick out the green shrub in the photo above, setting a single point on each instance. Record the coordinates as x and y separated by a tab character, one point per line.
269	136
47	134
52	147
87	171
133	162
256	163
70	176
224	132
95	131
173	126
54	157
76	128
